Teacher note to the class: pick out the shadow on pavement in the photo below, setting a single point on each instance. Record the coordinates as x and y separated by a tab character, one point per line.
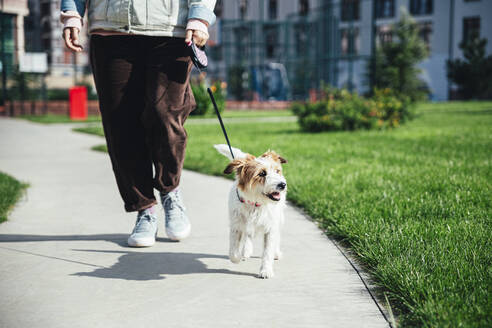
117	238
132	265
142	266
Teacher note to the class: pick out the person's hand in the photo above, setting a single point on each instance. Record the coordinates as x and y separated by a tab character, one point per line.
71	38
199	37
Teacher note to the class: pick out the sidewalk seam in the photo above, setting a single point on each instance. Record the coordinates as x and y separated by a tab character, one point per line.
380	308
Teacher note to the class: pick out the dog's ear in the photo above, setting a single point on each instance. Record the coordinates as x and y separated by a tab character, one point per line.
238	164
233	166
276	157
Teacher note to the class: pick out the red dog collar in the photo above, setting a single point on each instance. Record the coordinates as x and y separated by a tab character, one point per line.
242	200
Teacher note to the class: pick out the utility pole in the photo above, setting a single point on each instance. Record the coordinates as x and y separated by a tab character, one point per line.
451	40
261	8
4	64
373	46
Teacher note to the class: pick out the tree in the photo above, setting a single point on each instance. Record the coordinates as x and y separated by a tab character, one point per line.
396	60
473	76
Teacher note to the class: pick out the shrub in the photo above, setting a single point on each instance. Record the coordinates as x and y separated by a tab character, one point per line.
203	102
219	89
473	75
63	94
57	94
342	110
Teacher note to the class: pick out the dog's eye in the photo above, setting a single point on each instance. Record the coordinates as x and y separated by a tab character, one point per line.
277	171
262	174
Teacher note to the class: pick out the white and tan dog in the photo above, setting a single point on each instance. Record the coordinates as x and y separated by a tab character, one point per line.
256	205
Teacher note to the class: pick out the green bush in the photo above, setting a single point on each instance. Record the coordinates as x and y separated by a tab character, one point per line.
57	94
342	110
63	94
203	102
473	74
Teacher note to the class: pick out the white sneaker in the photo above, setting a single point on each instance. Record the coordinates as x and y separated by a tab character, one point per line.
145	230
178	225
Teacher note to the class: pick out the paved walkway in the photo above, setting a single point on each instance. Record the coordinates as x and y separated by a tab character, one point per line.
65	263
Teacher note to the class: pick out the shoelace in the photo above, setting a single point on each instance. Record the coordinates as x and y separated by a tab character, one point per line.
171	200
143	223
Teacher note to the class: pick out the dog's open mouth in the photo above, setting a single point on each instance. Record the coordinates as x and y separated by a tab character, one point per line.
275	196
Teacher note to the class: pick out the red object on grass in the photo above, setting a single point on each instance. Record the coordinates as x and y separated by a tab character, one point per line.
78	103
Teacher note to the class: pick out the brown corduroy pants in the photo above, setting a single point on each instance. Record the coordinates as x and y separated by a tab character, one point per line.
144	97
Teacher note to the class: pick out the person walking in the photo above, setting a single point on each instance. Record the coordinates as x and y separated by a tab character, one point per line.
140	61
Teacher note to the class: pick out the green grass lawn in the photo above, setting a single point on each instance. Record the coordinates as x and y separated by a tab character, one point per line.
414	203
252	113
10	191
52	119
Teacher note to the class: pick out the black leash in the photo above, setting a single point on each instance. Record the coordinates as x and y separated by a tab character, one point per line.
199	59
220	121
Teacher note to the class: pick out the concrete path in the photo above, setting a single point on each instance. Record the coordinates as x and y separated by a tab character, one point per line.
65	263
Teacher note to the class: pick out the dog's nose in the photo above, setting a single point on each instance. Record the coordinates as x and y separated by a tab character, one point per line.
281	186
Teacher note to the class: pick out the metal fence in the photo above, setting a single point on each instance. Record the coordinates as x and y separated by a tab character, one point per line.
287	59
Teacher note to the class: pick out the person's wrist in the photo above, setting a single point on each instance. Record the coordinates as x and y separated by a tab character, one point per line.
71	19
72	22
197	25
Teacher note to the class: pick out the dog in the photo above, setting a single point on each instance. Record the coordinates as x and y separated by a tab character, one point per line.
256	205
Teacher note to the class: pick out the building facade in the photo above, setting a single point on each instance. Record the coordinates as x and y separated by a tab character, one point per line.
44	34
326	41
12	13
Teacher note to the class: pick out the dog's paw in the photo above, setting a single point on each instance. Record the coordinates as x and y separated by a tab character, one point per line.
235	258
266	273
278	255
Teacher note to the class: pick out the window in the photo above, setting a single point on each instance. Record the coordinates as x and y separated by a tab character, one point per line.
385	34
350	10
243	8
425	33
271	38
350	42
8	32
471	28
303	7
421	7
272	9
385	8
45	9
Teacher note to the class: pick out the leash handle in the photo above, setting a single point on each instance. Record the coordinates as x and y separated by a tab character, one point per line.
220	120
199	59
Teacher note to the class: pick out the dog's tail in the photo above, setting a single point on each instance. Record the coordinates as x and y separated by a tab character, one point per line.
224	150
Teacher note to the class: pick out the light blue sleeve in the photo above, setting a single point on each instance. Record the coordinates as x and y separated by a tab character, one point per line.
202	9
74	5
